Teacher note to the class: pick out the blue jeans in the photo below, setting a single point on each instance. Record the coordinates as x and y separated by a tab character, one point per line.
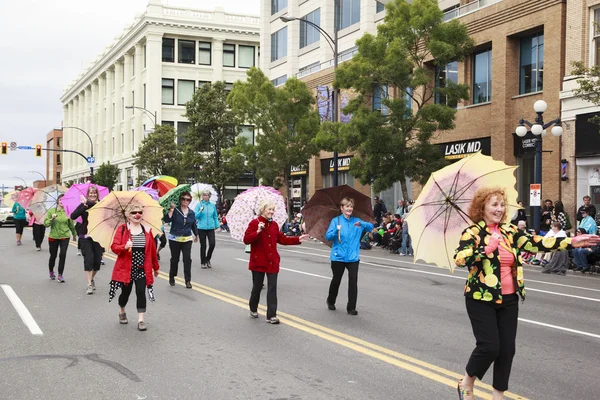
406	244
580	258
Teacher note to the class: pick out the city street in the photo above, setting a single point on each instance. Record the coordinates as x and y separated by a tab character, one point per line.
410	340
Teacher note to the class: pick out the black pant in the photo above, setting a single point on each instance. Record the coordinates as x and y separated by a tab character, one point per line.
54	245
19	225
495	330
140	293
210	234
338	267
39	231
186	249
92	254
257	282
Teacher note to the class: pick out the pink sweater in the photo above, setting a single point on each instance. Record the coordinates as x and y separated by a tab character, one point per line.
507	260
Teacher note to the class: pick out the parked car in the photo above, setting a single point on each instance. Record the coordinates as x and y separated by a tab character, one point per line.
6	216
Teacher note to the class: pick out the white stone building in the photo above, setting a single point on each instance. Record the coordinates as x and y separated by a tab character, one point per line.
156	65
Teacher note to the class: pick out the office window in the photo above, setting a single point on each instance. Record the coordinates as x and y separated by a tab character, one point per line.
278	5
182	128
185	91
246	56
308	33
379	7
168	91
444	75
229	55
380	93
168	50
482	77
170	123
247	131
205	51
144	95
187	51
531	64
596	37
348	14
202	83
58	161
279	81
228	87
279	44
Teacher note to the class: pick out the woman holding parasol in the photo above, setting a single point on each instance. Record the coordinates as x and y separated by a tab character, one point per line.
60	226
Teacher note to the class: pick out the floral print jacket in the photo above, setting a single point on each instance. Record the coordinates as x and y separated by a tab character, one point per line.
483	282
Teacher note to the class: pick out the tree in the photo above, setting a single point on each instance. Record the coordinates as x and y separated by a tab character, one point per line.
286	120
158	154
393	143
107	175
589	84
213	129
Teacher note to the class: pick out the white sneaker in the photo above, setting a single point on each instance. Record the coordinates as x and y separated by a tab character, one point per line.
78	252
273	320
402	254
89	290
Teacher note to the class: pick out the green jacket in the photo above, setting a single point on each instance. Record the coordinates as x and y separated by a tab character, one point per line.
60	227
483	282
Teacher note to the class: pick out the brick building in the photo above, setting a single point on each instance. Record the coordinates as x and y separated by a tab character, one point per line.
54	159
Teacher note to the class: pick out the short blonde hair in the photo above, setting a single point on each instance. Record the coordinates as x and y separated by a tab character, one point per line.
133	207
207	191
347	200
266	204
481	197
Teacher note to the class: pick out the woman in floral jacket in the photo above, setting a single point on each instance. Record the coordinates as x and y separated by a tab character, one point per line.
492	251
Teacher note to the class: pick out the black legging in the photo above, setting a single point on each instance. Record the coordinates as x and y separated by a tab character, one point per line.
140	293
39	231
186	249
257	284
54	246
338	268
204	234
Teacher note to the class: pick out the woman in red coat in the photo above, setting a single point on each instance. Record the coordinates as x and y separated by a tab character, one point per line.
136	262
262	235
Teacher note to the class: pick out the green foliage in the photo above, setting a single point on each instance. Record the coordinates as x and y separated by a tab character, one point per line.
390	147
589	85
213	129
158	154
68	183
107	175
286	120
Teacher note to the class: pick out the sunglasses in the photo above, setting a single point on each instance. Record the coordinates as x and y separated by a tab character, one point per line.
136	212
186	199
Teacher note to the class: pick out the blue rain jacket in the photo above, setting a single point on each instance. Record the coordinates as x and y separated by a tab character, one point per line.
347	250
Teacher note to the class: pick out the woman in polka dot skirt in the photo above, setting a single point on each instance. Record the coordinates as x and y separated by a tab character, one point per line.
137	262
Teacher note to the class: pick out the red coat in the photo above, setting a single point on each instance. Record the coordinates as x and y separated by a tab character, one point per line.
122	270
263	246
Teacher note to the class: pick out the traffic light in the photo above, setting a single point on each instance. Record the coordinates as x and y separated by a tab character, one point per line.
38	150
4	148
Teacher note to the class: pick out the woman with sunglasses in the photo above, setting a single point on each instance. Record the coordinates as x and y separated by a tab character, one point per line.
136	263
181	235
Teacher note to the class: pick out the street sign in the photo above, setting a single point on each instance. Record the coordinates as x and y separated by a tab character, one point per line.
24	147
13	146
91	160
535	192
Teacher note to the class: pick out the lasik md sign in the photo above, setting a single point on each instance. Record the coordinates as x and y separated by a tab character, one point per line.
464	148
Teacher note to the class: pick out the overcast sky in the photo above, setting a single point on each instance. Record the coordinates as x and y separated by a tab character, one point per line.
44	46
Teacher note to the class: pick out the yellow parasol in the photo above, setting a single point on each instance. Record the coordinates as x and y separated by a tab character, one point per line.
10	198
440	214
105	217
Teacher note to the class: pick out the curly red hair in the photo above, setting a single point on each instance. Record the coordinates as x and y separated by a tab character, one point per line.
482	196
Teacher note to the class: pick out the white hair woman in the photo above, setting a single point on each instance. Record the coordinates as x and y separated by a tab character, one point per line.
262	235
207	220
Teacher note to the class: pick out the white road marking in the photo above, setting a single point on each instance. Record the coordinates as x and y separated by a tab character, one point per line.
293	270
561	328
22	310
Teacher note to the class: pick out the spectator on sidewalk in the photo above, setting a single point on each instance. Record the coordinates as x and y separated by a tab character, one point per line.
587	222
587	202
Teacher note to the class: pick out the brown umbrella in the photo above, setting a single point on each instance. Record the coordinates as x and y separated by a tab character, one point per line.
324	206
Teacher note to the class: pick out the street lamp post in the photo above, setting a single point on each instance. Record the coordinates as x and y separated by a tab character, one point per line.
333	43
538	129
40	174
18	177
91	150
148	112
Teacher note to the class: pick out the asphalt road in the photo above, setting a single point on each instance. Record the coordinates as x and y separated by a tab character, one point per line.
410	340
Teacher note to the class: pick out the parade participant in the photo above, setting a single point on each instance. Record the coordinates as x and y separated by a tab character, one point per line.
61	227
207	219
183	231
20	219
91	250
39	230
492	250
263	235
345	231
136	263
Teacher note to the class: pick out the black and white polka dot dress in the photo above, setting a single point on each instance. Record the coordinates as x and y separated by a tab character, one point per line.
138	256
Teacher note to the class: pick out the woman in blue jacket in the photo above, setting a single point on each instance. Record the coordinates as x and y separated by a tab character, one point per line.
207	219
20	219
345	231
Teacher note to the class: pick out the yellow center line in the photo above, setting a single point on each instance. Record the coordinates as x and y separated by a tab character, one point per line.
419	367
